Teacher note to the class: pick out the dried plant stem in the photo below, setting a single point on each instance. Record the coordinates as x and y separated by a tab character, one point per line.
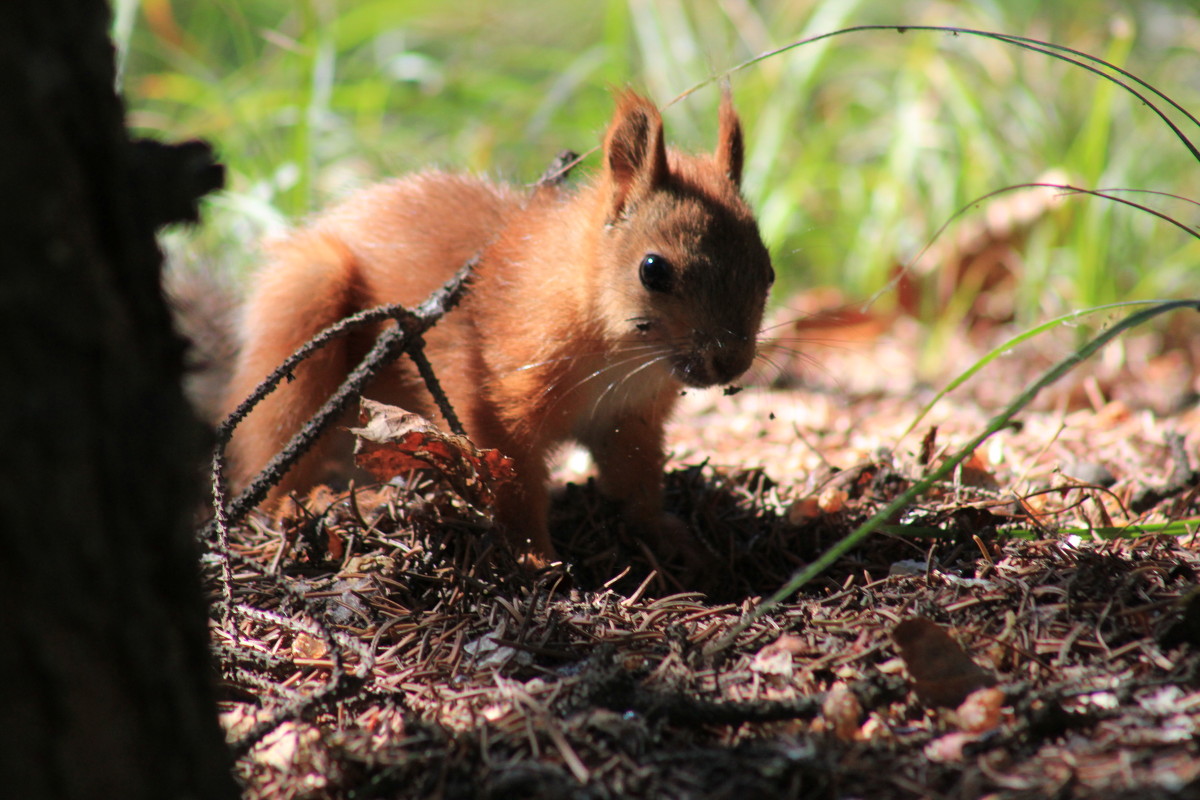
405	337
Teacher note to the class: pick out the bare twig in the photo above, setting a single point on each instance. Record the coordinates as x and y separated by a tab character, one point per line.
339	685
390	344
221	523
405	338
416	351
560	169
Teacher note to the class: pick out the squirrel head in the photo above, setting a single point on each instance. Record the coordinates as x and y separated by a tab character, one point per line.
685	273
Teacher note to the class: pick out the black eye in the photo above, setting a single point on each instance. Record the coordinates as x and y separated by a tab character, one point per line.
655	273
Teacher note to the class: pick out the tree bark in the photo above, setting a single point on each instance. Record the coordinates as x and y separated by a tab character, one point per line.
105	678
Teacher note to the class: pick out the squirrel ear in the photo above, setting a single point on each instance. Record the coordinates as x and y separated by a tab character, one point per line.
731	149
635	156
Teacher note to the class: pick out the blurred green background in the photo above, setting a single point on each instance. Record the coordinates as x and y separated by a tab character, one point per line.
860	147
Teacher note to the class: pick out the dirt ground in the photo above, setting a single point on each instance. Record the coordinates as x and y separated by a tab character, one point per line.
1022	630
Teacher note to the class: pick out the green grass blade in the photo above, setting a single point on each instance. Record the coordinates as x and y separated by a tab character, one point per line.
1007	345
1034	45
997	423
1179	527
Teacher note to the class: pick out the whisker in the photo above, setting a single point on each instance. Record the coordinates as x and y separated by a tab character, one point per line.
607	365
765	359
845	313
639	353
559	360
785	323
806	362
626	379
556	360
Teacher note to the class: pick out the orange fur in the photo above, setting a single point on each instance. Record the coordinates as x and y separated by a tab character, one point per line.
560	336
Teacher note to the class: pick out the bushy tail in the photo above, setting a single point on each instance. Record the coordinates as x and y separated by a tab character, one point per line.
205	306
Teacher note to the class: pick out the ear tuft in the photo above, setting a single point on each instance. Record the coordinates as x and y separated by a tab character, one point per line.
635	155
731	149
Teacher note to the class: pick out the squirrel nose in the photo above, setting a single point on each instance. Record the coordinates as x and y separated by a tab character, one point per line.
713	362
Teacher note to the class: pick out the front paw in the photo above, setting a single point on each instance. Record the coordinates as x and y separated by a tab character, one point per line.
672	536
675	543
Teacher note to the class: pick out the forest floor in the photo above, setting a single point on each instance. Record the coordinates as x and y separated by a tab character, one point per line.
1019	631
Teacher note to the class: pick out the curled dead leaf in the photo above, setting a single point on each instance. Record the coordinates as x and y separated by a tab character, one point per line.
392	441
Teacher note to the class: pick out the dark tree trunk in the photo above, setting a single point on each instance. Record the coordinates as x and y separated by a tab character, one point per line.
105	684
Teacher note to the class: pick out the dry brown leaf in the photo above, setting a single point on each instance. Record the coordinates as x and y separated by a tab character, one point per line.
842	712
240	719
948	749
980	256
306	646
790	643
774	660
803	510
928	443
392	441
942	673
819	314
832	499
335	544
823	310
977	471
981	710
296	750
313	504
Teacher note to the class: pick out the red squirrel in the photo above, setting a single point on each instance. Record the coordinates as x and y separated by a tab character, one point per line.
589	312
